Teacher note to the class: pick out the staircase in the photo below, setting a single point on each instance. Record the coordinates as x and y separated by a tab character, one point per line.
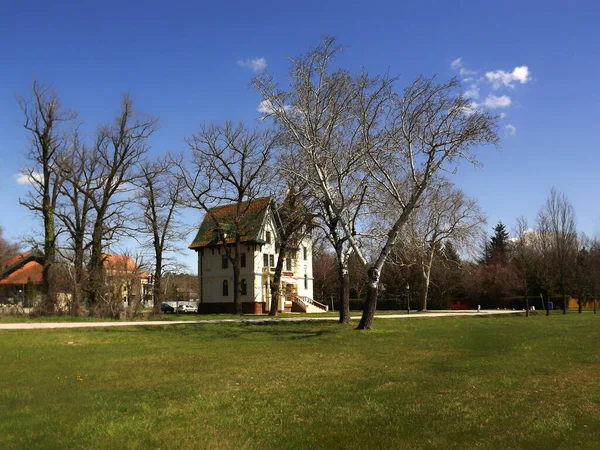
307	305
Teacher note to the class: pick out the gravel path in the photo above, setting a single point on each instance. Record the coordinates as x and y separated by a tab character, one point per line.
55	325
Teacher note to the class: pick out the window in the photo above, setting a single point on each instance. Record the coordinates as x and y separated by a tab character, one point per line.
305	282
305	251
265	260
272	260
224	262
225	288
244	286
243	260
268	237
288	264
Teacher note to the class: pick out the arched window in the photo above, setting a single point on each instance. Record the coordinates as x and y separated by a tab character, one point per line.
225	288
244	286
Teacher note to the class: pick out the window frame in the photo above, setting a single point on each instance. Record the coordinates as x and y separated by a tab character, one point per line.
225	288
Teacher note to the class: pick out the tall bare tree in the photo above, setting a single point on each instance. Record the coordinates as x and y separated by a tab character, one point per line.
159	198
561	223
229	165
392	145
119	149
322	118
523	258
445	214
75	212
45	121
543	246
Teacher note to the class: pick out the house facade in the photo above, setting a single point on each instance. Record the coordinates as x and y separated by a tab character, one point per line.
124	279
258	258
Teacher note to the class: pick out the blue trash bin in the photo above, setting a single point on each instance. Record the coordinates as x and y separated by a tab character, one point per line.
550	305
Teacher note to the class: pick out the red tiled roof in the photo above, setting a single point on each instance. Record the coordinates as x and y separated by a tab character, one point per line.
14	260
30	271
119	262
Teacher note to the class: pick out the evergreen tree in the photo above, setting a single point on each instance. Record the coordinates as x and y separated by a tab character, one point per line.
499	244
450	252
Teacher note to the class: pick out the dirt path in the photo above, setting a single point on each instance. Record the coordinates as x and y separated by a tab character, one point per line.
56	325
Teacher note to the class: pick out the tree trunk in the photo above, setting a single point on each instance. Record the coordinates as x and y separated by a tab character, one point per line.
276	281
156	289
96	273
79	274
366	321
564	294
237	298
49	283
526	305
580	306
548	305
426	279
343	288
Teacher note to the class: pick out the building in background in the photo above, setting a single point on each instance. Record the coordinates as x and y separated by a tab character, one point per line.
259	255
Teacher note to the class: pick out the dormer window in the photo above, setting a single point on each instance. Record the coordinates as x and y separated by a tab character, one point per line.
268	237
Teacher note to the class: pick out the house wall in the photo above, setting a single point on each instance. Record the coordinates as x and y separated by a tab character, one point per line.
257	275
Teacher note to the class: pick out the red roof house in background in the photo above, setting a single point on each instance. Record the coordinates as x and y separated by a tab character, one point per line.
17	271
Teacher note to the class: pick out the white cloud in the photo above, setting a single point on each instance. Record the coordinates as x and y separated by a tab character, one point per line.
472	92
471	108
493	102
499	78
266	107
23	178
466	72
456	63
502	115
257	65
510	130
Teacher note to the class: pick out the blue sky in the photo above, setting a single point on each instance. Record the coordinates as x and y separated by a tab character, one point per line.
179	61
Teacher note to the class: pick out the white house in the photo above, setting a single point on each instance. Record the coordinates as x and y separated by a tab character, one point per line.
258	260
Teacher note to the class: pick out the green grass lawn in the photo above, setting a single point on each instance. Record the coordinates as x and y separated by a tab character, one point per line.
25	318
467	382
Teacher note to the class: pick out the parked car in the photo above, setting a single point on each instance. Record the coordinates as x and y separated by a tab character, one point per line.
186	309
167	308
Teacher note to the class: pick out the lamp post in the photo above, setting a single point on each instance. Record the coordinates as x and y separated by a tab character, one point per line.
407	298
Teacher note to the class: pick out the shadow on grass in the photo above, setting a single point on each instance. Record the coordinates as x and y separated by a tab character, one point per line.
243	330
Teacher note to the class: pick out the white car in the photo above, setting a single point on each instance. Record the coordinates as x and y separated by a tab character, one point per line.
186	309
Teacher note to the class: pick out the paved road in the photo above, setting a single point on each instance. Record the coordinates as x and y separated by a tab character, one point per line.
54	325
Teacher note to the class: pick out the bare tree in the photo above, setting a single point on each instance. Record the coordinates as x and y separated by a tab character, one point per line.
392	145
45	120
523	258
75	211
159	198
229	166
559	216
118	150
8	249
543	246
321	118
445	214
